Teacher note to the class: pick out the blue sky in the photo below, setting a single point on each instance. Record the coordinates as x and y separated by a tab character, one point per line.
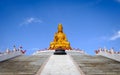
88	24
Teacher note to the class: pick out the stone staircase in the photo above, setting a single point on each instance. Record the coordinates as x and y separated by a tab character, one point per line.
31	65
97	65
22	65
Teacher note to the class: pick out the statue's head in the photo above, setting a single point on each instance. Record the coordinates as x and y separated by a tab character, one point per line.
60	28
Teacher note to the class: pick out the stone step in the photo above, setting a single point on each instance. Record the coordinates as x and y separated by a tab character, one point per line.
22	65
97	65
30	65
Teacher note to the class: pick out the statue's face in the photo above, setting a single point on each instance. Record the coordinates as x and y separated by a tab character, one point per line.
60	28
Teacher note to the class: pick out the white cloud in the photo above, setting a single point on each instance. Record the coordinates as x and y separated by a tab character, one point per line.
30	21
118	0
115	36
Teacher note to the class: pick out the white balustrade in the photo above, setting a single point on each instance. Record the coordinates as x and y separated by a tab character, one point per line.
109	54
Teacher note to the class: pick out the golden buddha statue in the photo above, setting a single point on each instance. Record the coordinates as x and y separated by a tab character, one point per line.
60	40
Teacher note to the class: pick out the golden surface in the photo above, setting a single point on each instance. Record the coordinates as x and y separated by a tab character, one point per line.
60	40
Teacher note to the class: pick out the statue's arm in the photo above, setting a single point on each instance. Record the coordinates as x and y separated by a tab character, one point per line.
65	38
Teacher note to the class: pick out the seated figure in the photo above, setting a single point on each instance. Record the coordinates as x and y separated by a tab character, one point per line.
60	40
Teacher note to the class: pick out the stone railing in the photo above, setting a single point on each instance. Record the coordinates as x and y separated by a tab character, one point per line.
108	53
8	54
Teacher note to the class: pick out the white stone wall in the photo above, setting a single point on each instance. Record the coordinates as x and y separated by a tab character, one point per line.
43	52
50	52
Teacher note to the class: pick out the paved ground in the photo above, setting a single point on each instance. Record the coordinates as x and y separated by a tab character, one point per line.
22	65
60	65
